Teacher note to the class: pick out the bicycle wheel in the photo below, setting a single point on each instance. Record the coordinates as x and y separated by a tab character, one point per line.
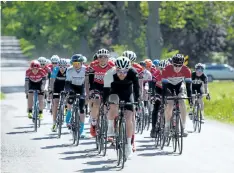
122	134
98	129
73	124
149	116
195	118
159	130
103	139
77	126
199	119
142	120
138	123
60	120
179	134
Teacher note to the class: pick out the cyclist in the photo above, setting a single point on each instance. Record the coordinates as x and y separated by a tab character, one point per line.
57	85
132	57
157	100
172	78
200	84
75	84
35	79
96	72
68	62
122	82
156	63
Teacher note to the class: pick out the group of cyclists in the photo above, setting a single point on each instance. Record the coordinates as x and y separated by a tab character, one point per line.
115	79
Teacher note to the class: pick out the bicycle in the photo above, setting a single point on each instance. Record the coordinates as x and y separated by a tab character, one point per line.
120	133
36	120
75	121
176	127
140	118
60	113
101	126
196	112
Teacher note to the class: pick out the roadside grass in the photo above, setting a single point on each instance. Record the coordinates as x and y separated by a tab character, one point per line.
2	96
221	105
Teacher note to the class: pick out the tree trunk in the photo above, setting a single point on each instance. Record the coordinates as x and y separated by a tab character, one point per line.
155	41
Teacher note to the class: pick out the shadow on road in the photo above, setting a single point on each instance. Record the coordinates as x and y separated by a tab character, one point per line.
100	162
57	146
79	152
144	141
20	132
45	137
56	134
83	156
159	153
12	89
104	168
26	127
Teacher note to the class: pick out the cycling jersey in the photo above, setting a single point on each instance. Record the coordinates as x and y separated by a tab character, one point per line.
123	88
147	76
154	73
97	73
198	82
54	72
59	83
139	69
76	77
47	70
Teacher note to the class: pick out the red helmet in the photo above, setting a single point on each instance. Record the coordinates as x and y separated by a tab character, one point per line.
35	64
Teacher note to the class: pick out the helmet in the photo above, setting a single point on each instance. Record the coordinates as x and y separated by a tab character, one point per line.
156	62
112	59
130	54
200	66
142	63
103	52
148	63
178	59
122	62
35	64
162	64
62	62
48	61
95	56
85	59
42	60
68	62
77	58
55	59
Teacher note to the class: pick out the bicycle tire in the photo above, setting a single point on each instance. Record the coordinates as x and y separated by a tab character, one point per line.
104	135
142	120
179	132
195	118
199	123
73	127
122	133
59	123
149	116
97	135
77	126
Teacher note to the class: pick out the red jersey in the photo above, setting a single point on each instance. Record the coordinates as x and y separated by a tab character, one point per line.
35	77
155	72
158	80
50	66
47	69
98	71
139	69
173	77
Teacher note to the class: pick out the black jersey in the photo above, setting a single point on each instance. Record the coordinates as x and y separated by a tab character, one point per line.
197	81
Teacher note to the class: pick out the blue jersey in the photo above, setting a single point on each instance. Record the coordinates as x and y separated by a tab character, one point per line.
54	72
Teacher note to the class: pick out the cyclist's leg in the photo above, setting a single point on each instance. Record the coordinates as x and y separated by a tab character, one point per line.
41	104
69	105
95	105
129	127
30	104
82	115
201	102
112	113
54	109
154	118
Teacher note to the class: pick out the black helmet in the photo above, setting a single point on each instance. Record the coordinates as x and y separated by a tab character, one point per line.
178	59
77	58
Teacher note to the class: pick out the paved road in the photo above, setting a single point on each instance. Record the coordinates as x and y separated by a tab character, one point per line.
26	151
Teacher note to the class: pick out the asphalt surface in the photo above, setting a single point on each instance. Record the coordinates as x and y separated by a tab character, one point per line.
25	151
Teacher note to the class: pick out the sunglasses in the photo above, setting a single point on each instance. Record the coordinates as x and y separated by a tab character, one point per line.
102	56
76	63
120	71
63	67
42	64
177	65
54	63
199	70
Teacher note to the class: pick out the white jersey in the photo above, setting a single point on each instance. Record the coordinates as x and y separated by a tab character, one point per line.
76	77
147	76
108	78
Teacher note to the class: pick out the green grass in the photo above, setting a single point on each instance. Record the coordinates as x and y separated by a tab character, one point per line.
221	105
2	96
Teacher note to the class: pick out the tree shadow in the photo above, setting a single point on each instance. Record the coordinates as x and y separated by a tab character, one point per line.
57	146
83	156
56	134
21	132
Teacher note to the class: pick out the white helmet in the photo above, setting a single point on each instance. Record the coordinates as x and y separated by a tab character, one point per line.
163	63
62	62
103	52
68	62
130	54
42	60
122	62
55	59
85	59
48	62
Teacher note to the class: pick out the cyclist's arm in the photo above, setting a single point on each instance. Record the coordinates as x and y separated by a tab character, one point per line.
26	84
206	84
53	77
68	80
108	79
91	79
136	86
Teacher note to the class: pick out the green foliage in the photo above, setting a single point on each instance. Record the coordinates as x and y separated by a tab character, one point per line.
220	107
218	57
2	96
119	49
168	54
26	47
